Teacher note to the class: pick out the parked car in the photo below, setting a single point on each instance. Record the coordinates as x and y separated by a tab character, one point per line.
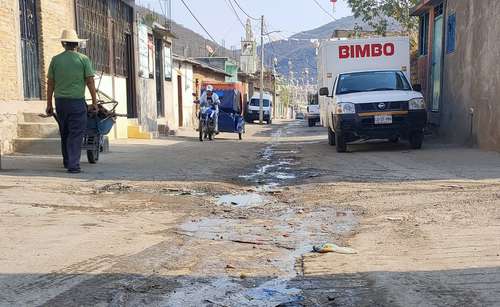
366	92
312	114
253	110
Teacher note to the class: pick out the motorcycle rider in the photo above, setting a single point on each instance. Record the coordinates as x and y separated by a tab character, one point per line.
209	98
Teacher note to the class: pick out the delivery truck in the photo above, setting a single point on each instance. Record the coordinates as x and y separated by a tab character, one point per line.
366	94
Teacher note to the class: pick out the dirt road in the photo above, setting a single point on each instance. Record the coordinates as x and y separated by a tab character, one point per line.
176	222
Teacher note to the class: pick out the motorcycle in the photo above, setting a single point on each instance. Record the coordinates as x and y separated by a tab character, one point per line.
206	123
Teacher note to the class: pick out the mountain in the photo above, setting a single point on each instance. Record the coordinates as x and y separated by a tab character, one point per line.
300	49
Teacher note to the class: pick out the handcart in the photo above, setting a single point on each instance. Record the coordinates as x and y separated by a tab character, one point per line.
99	124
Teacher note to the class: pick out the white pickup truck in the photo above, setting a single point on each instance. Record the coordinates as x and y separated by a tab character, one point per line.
312	114
365	92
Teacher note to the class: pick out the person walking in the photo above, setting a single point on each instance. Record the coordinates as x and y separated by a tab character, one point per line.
69	73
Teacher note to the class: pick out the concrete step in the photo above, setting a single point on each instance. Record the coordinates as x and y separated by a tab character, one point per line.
36	118
38	130
135	132
38	146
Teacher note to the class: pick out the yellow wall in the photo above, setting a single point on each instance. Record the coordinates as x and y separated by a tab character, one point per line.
10	52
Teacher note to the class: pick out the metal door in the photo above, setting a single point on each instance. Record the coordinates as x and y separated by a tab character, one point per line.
437	62
179	101
159	77
29	49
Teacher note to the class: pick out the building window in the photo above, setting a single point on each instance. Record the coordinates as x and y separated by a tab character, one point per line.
168	63
451	33
105	24
424	34
122	17
439	10
151	56
92	24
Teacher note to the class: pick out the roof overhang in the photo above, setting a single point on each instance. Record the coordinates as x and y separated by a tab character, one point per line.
200	65
162	31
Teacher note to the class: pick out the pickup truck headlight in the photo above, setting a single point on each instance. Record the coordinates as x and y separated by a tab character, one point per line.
416	104
346	108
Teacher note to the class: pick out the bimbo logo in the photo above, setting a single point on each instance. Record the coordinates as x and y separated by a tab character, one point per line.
366	51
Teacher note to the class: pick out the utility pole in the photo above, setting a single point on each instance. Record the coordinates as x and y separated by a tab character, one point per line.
261	101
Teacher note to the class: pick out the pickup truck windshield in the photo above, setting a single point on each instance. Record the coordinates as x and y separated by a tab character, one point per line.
372	81
256	103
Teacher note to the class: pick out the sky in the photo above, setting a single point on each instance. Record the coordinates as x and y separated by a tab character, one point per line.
287	16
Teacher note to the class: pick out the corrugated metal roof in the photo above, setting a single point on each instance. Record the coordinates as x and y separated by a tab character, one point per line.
200	64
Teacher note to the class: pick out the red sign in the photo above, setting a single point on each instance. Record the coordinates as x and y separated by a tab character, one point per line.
366	51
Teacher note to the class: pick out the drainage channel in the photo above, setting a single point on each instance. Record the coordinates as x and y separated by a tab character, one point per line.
289	233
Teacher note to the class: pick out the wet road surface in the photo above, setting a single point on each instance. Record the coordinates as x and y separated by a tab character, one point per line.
176	222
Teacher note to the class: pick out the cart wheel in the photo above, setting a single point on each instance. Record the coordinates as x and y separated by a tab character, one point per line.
240	136
93	156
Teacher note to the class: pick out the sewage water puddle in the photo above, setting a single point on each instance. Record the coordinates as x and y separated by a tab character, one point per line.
242	200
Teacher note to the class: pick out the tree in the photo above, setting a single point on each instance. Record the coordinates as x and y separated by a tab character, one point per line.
377	13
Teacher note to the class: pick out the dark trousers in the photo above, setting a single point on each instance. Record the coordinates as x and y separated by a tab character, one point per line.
72	116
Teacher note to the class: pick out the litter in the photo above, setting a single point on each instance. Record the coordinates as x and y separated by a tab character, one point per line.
333	248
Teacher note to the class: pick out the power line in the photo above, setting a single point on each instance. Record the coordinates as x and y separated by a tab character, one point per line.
236	13
244	12
201	25
324	10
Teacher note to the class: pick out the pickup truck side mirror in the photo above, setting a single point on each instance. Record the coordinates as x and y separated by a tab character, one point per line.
417	88
324	91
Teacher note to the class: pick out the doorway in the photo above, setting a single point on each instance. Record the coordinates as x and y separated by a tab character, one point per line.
160	100
131	101
179	99
29	49
437	58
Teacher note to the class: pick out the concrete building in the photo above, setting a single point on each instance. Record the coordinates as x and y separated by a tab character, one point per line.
248	57
28	40
154	80
459	56
222	63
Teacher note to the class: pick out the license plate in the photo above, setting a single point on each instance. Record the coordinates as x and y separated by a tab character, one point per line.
383	119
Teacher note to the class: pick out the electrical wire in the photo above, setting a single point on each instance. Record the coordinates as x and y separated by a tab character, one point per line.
244	12
324	10
198	21
236	13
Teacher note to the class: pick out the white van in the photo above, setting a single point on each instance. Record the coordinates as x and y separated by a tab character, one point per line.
366	93
253	108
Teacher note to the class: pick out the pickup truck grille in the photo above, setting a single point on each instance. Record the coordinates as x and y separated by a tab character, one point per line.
389	106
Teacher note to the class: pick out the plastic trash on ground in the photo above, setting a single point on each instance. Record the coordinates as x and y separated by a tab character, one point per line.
333	248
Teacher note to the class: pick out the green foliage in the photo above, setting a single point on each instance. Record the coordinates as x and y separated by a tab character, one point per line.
377	12
149	18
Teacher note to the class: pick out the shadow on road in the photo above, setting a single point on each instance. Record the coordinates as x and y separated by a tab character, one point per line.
468	287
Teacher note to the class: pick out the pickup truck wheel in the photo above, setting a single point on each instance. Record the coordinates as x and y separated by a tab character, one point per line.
331	137
394	140
340	141
416	140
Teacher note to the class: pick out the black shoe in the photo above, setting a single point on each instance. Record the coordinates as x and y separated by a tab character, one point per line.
74	171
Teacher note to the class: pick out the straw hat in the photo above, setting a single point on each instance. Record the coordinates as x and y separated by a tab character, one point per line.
70	36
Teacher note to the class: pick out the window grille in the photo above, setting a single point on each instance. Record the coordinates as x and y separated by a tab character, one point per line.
105	23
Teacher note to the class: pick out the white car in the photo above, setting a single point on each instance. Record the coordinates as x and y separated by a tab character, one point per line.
253	109
312	114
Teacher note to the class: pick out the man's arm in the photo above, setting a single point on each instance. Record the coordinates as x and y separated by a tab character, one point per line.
91	85
50	92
